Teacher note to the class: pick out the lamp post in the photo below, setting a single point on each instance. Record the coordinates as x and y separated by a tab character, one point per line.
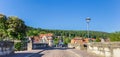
88	20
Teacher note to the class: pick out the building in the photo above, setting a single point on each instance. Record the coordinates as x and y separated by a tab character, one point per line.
80	40
44	38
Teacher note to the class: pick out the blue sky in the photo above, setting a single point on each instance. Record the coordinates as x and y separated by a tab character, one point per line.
65	14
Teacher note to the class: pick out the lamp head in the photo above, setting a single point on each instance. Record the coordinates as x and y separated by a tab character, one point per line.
88	19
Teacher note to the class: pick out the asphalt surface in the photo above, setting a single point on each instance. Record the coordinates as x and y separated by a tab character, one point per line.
52	52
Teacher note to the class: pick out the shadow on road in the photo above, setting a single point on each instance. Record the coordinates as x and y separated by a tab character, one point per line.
52	48
25	54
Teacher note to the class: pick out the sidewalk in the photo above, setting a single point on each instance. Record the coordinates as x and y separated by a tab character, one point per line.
83	53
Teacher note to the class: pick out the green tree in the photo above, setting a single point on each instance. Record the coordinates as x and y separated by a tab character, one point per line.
3	27
115	36
56	40
42	32
16	27
98	40
32	32
66	40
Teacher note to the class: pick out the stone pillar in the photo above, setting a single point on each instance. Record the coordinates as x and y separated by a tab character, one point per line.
50	41
29	45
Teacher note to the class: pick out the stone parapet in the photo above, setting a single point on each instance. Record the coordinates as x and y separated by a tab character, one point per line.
6	48
106	49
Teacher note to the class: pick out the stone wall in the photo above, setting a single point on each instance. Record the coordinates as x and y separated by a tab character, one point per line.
6	48
106	49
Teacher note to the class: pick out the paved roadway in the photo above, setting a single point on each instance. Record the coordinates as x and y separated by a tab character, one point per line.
62	52
53	52
58	53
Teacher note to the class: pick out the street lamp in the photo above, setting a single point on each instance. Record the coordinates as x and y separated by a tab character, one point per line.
88	20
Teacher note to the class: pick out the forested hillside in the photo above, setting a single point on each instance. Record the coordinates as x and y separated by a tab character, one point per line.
67	33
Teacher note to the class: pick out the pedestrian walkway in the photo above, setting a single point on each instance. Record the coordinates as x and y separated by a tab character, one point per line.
83	53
